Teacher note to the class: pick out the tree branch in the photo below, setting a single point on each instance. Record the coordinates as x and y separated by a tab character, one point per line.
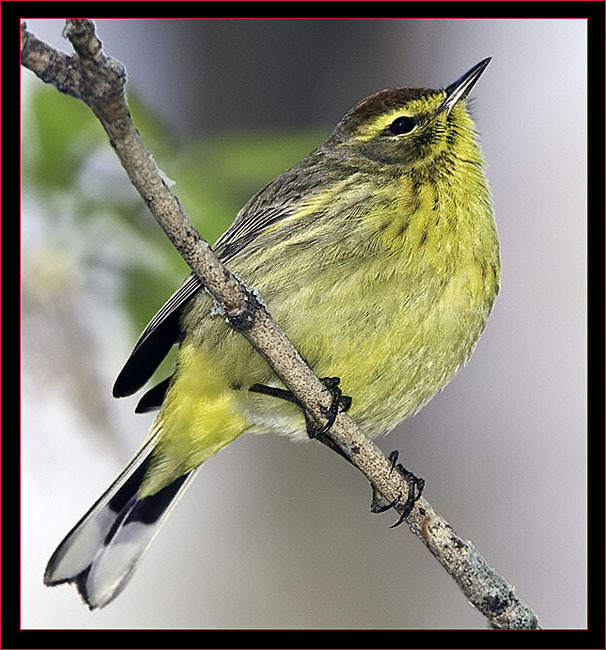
99	81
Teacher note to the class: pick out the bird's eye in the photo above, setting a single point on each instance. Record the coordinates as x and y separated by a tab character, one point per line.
402	125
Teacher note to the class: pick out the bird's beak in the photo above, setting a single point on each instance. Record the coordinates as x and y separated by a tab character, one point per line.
461	87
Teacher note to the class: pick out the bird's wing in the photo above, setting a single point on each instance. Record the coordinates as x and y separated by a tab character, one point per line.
247	226
162	332
164	329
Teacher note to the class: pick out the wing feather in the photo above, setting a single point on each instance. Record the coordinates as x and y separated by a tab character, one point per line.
164	330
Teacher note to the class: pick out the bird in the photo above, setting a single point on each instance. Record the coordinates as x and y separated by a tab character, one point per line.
377	254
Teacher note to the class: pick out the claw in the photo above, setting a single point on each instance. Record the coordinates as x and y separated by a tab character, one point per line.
375	505
415	489
393	457
345	402
338	401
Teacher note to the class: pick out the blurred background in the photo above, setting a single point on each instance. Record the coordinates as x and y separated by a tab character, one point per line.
274	534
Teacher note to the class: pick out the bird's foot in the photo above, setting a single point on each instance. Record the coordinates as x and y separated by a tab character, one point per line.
415	489
339	402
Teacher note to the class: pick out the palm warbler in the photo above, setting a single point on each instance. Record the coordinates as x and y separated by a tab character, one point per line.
378	256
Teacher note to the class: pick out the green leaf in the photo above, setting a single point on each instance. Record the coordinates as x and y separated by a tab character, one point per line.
216	177
213	178
61	132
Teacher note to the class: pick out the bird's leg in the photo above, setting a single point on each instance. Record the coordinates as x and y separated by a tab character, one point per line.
415	484
343	401
415	489
274	392
339	401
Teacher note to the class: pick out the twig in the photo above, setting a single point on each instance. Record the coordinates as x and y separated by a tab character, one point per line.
99	81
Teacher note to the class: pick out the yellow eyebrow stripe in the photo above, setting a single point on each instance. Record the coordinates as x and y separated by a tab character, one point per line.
370	130
413	108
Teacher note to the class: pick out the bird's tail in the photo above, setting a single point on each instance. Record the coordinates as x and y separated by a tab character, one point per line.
103	549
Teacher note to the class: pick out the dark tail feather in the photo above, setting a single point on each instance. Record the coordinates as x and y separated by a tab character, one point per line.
102	551
154	397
